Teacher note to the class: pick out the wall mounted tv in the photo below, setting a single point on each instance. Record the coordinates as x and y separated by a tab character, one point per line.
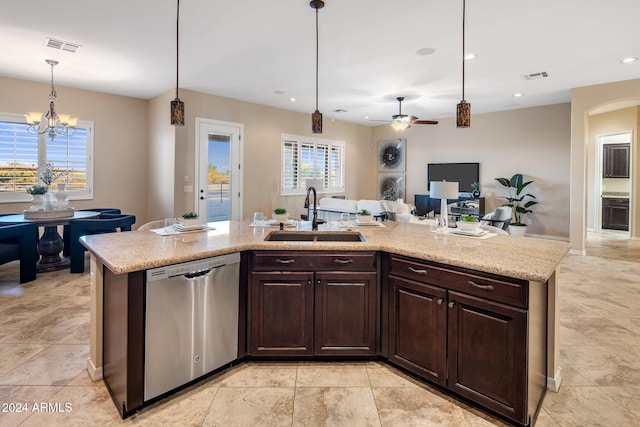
463	173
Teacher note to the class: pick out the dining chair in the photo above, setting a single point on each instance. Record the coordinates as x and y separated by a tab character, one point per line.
66	250
19	242
106	223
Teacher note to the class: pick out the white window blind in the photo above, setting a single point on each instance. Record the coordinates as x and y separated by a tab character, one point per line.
21	152
305	158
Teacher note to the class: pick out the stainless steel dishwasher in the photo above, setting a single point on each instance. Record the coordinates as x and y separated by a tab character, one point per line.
191	321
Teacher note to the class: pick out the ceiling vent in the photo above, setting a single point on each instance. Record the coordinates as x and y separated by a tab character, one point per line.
61	45
540	75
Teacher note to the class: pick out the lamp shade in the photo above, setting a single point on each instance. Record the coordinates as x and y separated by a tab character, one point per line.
443	190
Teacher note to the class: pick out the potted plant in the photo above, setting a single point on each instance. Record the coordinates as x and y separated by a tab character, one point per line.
190	220
280	215
37	191
468	223
518	202
364	216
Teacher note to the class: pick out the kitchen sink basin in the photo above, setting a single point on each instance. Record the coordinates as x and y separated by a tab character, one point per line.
314	236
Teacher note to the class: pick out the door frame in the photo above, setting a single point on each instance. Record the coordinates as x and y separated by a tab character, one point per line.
237	156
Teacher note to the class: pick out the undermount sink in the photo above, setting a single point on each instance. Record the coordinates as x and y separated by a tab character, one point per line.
314	236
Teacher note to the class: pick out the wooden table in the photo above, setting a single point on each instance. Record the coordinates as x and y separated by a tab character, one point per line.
50	243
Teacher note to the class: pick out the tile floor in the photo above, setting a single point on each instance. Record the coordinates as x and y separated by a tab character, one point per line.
44	346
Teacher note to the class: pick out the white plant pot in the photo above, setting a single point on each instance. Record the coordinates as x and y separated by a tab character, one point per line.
189	222
517	230
364	219
280	217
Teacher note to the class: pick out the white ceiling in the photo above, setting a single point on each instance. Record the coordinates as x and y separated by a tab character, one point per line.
248	49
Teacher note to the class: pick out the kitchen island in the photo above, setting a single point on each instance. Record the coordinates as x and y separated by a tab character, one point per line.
521	263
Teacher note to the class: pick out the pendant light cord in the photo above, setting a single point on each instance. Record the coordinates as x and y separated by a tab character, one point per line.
463	51
177	46
317	56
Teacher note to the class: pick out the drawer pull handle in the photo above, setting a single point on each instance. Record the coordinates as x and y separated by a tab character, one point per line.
343	261
440	301
285	261
475	285
415	270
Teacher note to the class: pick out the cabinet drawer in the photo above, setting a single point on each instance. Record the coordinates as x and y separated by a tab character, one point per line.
317	261
508	291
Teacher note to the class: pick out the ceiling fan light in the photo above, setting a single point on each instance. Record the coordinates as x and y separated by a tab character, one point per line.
463	114
400	125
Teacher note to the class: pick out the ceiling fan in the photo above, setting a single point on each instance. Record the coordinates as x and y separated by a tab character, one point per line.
401	121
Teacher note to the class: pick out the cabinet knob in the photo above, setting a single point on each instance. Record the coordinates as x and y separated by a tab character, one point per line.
451	304
440	301
308	282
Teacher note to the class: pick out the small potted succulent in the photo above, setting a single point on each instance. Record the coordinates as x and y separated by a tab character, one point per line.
37	190
190	220
364	216
280	215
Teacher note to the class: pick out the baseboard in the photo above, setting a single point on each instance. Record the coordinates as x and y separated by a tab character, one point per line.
94	373
554	383
577	252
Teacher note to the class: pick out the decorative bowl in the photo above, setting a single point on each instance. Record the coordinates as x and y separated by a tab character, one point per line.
278	218
364	219
468	225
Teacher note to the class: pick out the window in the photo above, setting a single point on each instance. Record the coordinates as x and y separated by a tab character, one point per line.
305	158
21	152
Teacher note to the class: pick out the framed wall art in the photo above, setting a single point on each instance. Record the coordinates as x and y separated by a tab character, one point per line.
391	155
391	186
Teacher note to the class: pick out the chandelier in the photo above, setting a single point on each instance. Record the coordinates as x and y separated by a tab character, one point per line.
54	123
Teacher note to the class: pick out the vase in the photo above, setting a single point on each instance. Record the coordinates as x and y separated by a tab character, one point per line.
62	200
36	203
49	201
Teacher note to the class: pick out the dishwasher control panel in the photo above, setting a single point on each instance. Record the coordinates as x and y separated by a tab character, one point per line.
161	273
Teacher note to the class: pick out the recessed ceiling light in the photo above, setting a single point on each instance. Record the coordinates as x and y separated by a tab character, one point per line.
366	117
425	51
292	99
279	92
629	60
470	56
517	95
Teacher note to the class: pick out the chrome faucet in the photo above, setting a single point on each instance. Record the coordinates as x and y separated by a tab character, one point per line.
315	221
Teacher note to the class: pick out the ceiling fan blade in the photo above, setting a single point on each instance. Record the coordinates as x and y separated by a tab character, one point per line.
424	122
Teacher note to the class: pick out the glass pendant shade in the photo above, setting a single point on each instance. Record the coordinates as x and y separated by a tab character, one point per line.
463	114
316	122
177	112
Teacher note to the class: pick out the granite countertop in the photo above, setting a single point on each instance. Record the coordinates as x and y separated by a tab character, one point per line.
525	258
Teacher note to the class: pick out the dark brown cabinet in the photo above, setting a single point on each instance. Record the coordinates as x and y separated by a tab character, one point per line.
615	214
469	332
615	160
304	304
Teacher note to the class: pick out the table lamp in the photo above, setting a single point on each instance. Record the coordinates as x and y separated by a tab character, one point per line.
443	190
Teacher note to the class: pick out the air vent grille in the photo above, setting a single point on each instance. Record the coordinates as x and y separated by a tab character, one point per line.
533	76
61	45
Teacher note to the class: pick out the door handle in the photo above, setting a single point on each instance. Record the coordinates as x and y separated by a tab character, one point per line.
343	261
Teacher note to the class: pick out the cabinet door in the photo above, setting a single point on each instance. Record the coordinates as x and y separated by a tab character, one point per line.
417	328
615	214
616	161
281	313
488	354
345	313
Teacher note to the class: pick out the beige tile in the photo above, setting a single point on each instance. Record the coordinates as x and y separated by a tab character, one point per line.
22	399
335	375
335	406
55	365
605	366
268	406
386	376
627	396
13	355
587	406
256	375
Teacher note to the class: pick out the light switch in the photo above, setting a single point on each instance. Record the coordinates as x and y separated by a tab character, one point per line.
188	188
186	178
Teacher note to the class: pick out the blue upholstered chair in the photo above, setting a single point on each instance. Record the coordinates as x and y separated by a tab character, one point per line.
66	251
19	242
107	223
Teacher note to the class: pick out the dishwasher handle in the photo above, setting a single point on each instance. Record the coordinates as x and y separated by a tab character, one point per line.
198	273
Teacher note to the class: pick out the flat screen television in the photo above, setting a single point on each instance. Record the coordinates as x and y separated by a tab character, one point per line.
463	173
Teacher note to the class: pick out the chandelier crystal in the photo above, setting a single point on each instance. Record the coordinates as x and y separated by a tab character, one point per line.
54	123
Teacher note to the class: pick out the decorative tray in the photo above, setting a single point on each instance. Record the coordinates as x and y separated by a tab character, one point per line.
57	213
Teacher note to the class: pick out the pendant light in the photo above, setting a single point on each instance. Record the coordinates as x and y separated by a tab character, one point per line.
177	106
463	112
316	117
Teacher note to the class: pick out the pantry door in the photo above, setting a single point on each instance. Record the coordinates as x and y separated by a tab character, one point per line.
218	159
